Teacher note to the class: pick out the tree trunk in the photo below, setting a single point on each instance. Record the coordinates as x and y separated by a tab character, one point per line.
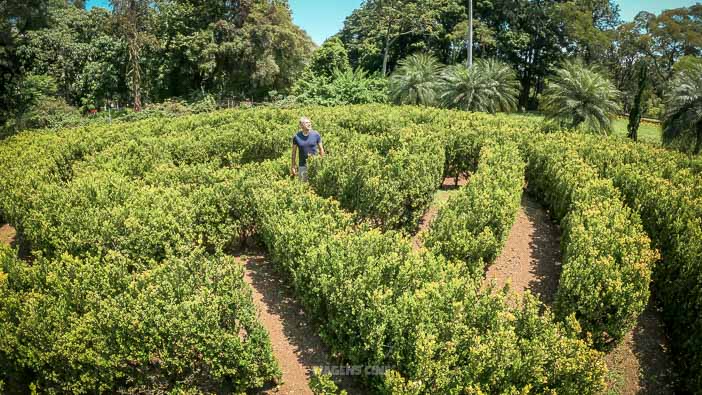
134	57
526	90
637	108
698	143
386	54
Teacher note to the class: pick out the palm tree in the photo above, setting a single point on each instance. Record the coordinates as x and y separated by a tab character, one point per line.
489	86
581	97
683	108
416	80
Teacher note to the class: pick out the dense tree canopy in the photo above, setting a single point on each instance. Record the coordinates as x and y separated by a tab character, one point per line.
148	50
155	50
533	36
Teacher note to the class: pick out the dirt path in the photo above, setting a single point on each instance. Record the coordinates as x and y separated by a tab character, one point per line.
641	363
296	346
448	188
531	257
7	234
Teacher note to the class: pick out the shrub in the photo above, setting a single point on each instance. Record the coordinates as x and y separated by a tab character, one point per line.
607	259
110	324
416	80
381	304
474	224
581	97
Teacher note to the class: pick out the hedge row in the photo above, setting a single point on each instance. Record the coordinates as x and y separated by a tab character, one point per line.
608	155
607	256
391	191
119	302
382	304
671	210
109	324
474	225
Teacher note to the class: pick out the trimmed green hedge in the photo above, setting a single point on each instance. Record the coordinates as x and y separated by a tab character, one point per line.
382	304
111	324
473	226
389	190
607	258
670	206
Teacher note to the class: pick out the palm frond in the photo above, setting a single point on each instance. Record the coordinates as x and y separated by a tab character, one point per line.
416	80
488	86
682	119
580	97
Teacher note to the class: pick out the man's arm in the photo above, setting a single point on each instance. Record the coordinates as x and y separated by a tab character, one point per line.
321	149
293	170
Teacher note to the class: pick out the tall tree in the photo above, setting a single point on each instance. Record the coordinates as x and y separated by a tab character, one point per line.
330	57
132	17
531	38
378	26
16	18
589	26
80	51
671	35
234	48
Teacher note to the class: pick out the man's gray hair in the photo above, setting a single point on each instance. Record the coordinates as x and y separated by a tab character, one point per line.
303	119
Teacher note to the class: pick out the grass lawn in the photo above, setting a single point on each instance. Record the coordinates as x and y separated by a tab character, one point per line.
648	132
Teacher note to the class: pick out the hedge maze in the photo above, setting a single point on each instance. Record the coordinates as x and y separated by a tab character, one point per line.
130	285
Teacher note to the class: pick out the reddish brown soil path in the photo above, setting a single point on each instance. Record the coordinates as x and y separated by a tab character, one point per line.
641	363
7	234
296	346
531	258
448	188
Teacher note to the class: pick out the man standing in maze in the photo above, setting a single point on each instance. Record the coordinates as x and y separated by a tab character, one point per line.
309	142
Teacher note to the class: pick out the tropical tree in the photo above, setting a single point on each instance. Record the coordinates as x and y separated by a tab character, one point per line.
683	109
416	80
578	96
488	86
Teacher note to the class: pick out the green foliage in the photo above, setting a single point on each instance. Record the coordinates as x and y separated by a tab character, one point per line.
373	31
322	384
488	86
682	122
607	259
132	219
665	188
416	80
50	112
391	189
579	96
474	224
341	88
80	53
381	304
240	49
109	324
329	58
589	26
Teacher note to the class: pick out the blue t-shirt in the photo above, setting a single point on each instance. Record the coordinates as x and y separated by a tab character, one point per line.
307	145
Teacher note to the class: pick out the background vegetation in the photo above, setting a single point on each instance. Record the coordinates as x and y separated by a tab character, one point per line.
60	61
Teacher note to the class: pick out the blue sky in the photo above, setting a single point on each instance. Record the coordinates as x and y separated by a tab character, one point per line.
322	19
